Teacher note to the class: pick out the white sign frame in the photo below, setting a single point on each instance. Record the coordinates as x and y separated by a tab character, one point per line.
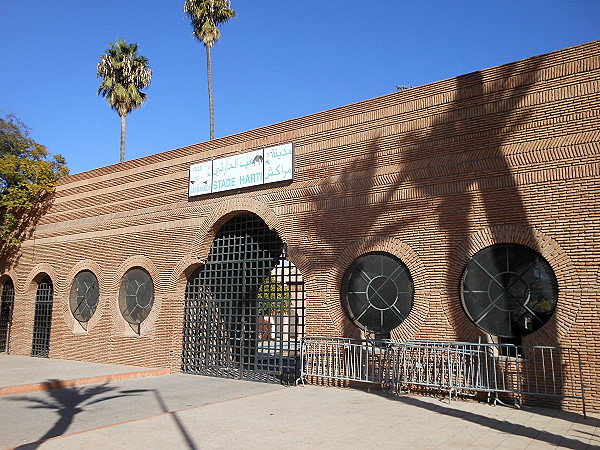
254	168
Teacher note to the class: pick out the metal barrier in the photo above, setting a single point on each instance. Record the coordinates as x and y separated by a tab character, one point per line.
459	368
346	360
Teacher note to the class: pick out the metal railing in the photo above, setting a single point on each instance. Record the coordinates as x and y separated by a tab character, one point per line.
346	360
459	368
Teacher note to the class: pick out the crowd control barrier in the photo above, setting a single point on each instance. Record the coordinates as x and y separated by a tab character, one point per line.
458	368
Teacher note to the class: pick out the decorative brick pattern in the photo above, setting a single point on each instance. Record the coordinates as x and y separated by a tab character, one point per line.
431	175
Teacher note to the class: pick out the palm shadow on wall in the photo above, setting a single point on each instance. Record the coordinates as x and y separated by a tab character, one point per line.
345	205
484	120
464	145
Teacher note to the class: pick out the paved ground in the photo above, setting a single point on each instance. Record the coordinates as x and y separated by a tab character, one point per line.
26	374
187	411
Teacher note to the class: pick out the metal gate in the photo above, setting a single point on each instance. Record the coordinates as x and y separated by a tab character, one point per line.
42	320
6	309
244	309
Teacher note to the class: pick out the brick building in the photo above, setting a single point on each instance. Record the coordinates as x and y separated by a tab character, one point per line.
423	186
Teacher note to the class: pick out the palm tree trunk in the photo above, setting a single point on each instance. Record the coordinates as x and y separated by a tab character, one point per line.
211	108
123	127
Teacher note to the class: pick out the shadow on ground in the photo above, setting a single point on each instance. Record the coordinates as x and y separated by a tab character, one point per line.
67	403
506	426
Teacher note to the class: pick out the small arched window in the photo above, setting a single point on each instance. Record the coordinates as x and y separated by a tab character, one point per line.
84	295
42	320
136	297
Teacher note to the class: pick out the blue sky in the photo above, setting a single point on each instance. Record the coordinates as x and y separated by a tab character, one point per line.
276	61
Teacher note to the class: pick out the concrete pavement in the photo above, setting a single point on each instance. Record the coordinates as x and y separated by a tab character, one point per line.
188	411
20	374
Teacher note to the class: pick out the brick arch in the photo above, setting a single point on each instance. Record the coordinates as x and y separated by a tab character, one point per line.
297	256
148	326
181	272
234	206
9	274
569	286
224	211
68	317
35	276
409	329
230	208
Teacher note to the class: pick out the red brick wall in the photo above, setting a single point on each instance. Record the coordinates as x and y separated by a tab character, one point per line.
431	174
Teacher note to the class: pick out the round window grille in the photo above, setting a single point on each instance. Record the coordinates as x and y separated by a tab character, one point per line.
509	290
377	292
83	298
136	296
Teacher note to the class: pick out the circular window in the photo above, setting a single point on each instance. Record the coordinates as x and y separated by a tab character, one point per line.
509	290
136	295
83	298
377	292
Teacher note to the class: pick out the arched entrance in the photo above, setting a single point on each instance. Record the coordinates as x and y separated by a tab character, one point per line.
6	309
40	345
244	309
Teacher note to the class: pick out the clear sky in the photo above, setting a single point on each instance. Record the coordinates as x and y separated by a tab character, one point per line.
276	60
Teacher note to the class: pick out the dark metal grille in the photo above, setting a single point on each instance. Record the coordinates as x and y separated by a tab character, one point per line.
83	298
377	293
509	290
43	318
244	309
6	311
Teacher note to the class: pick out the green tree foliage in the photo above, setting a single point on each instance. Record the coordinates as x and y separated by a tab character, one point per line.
205	15
28	174
274	297
124	74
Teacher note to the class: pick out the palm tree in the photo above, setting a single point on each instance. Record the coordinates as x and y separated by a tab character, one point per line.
205	15
124	73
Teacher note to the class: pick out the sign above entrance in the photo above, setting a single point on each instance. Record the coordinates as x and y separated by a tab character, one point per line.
263	166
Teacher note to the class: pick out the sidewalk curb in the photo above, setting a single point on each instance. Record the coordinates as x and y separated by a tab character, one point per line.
57	384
